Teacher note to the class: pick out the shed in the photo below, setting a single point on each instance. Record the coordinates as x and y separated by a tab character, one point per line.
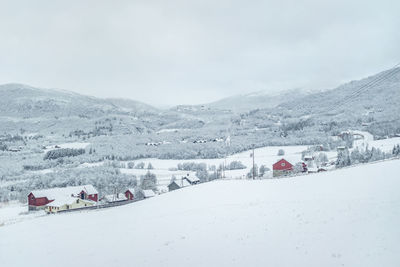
143	193
191	179
130	193
173	186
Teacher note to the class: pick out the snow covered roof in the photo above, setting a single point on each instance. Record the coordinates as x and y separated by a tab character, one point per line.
63	192
115	198
148	193
183	183
312	169
192	179
132	190
58	202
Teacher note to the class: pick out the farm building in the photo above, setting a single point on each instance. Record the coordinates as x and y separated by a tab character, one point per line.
130	194
173	186
141	194
178	184
68	203
38	199
148	193
191	179
281	168
115	198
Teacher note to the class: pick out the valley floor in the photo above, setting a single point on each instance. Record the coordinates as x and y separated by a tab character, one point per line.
348	217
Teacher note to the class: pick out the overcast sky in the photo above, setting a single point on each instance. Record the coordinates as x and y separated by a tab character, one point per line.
190	52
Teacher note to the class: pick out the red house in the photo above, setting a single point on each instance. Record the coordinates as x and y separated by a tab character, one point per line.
38	199
282	167
130	193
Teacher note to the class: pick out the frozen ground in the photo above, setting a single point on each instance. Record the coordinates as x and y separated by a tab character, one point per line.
348	217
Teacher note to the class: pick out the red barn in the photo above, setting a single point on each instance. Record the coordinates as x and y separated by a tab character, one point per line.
129	194
38	199
282	167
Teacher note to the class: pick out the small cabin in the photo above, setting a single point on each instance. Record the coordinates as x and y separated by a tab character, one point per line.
115	198
130	194
191	179
173	186
142	193
282	168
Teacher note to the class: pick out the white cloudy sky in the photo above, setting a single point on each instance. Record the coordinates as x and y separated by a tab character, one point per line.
170	52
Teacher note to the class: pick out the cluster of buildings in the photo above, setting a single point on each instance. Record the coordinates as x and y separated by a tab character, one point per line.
65	198
284	167
84	196
77	197
183	182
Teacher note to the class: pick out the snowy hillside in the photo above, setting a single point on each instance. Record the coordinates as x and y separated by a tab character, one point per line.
348	217
375	98
243	103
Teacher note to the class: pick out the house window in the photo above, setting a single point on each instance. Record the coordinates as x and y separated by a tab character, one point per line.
32	197
283	164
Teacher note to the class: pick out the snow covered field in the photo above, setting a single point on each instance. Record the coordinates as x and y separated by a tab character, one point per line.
348	217
14	212
386	145
263	156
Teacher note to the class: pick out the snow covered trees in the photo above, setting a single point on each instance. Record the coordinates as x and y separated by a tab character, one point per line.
263	169
343	158
321	159
192	166
148	181
202	175
63	152
150	166
250	174
281	152
140	165
396	150
235	165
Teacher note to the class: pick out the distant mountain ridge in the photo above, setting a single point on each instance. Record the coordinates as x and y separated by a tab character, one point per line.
377	105
19	100
257	100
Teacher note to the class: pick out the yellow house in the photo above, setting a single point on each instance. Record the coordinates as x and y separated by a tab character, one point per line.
68	203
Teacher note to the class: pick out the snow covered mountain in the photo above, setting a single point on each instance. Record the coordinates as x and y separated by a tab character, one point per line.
259	119
347	217
371	104
379	93
23	101
256	100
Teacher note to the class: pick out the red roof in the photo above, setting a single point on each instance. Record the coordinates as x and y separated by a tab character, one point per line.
282	165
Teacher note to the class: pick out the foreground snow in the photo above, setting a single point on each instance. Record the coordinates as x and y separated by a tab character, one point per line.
348	217
14	212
